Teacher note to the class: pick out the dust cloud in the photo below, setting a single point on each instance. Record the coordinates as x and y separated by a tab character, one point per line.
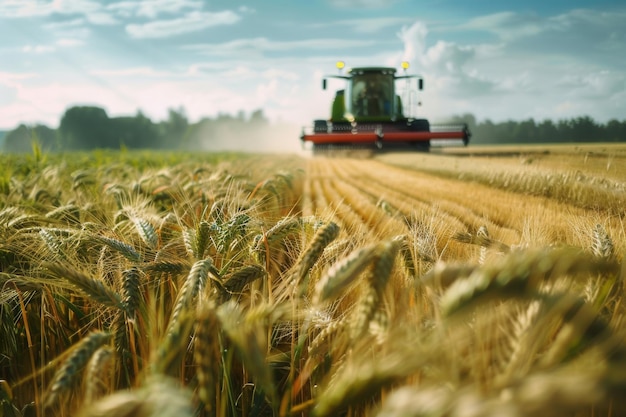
265	138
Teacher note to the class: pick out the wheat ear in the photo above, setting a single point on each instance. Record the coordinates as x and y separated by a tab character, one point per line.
323	237
125	249
196	279
158	396
146	232
342	274
98	373
582	328
54	244
602	244
358	383
275	235
248	337
519	275
235	282
376	281
67	375
407	255
482	239
94	288
69	213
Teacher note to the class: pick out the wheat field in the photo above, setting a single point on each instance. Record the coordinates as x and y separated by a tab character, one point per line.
481	282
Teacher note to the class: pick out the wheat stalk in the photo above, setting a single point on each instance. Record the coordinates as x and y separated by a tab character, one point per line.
207	357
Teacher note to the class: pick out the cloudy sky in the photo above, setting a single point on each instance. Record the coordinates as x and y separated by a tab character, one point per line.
498	60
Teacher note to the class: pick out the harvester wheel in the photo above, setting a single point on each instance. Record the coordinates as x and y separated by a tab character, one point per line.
421	146
420	125
320	126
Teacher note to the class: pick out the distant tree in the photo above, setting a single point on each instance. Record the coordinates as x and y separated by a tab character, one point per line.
21	138
547	132
136	132
257	118
85	127
172	131
579	129
585	129
615	131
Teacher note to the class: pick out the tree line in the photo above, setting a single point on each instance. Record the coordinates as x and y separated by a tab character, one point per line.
90	127
575	130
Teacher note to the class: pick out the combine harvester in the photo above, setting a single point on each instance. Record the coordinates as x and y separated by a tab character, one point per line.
369	114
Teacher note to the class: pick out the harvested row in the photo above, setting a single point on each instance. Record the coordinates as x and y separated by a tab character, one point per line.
514	218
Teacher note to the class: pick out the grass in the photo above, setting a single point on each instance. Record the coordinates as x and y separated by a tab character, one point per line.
241	285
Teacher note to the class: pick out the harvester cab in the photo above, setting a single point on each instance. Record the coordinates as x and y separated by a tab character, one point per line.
369	113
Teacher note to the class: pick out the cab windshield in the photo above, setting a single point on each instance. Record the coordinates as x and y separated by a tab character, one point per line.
372	95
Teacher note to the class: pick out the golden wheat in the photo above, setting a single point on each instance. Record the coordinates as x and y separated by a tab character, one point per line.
187	285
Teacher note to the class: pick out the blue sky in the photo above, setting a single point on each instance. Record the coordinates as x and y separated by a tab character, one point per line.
498	60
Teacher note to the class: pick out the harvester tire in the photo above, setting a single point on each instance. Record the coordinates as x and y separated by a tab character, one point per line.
420	125
320	126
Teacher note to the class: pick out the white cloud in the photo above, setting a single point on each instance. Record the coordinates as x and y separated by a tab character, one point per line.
11	78
132	72
573	32
7	95
280	73
101	18
25	8
542	67
92	10
414	39
65	24
246	9
368	4
153	8
368	25
191	22
69	32
68	42
38	49
443	59
256	46
508	25
594	85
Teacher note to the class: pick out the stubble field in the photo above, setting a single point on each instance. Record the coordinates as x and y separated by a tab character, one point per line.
473	282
